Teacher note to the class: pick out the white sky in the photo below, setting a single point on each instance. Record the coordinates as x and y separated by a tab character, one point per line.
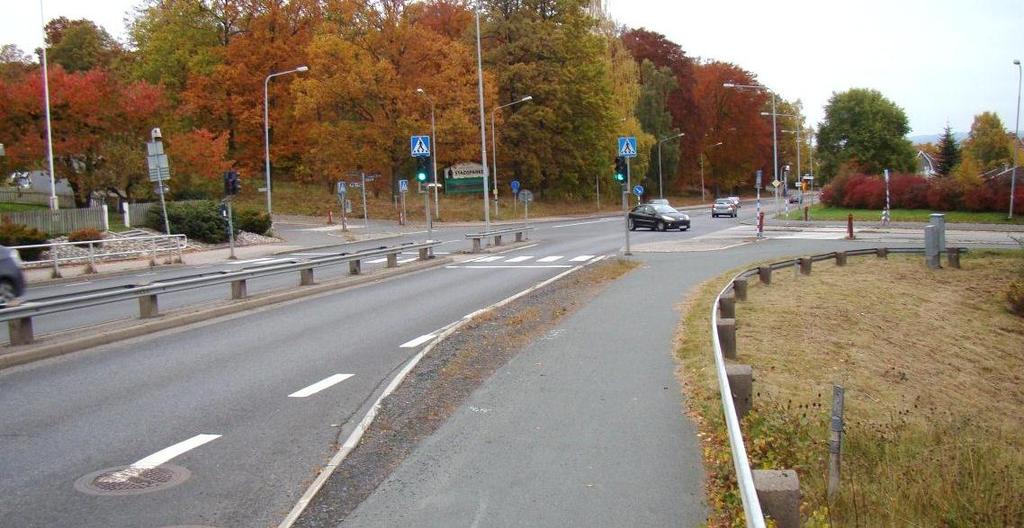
938	59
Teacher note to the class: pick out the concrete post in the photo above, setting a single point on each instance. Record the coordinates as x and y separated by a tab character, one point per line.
497	240
931	247
765	273
939	221
953	256
840	258
727	337
392	260
238	289
20	331
519	236
306	277
424	253
127	217
779	494
106	219
739	287
741	384
882	253
805	265
727	306
148	307
354	267
476	245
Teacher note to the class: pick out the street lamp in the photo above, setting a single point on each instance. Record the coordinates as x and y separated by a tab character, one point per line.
483	124
266	126
54	204
660	141
433	141
702	170
775	138
1016	138
494	148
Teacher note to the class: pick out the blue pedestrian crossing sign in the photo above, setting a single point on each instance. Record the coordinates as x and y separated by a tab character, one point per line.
627	146
403	186
419	146
638	190
515	186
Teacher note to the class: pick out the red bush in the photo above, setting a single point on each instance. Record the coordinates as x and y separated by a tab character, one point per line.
945	194
865	192
908	191
981	198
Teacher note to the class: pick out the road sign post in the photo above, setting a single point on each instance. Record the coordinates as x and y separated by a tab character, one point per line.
419	146
758	179
342	189
526	197
159	170
514	184
627	149
403	188
362	189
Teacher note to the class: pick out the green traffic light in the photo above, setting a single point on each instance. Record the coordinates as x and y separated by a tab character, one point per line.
421	176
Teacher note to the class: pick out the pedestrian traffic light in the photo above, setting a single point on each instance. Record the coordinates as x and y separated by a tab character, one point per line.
422	169
620	169
232	184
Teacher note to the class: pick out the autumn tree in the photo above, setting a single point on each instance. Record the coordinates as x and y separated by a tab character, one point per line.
863	128
80	45
988	142
173	40
948	153
652	111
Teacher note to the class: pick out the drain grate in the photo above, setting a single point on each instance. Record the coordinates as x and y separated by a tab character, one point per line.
128	480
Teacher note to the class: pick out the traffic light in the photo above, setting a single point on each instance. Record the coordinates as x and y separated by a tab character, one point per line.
422	169
232	184
620	169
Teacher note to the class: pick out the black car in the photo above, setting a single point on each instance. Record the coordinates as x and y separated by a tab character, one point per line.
12	281
658	216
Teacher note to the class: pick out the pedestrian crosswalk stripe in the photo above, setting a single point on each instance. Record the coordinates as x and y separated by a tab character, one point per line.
488	259
551	259
519	259
582	258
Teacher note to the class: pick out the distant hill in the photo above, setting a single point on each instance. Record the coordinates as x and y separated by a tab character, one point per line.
934	138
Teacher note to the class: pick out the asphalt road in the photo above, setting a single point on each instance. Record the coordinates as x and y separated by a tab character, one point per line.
240	382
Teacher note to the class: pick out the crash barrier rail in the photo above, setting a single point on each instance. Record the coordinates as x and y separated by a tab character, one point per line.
19	318
171	246
736	401
519	230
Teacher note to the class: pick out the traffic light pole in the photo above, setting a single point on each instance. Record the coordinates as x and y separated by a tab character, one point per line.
625	207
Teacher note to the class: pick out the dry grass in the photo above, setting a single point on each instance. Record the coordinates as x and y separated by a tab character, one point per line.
931	362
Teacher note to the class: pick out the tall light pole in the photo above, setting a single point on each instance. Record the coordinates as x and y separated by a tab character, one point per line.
660	141
1016	139
54	204
266	127
702	170
483	123
433	142
775	137
494	148
799	174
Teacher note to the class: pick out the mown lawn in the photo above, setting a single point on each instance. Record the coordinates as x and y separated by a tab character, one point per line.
821	212
20	207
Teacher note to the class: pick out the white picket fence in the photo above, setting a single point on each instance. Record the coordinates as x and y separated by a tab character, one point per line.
62	221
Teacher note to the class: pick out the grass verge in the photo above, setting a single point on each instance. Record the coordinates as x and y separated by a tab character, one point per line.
8	207
820	212
931	362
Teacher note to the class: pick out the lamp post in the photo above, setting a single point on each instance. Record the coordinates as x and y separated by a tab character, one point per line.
266	127
660	141
483	124
433	155
54	203
799	174
1016	139
775	138
702	170
494	148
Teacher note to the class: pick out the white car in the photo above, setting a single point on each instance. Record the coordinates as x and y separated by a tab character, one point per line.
735	200
723	207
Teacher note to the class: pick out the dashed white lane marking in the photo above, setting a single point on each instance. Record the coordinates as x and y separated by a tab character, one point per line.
585	223
520	259
377	261
250	261
320	385
582	258
554	258
502	266
488	259
418	341
166	455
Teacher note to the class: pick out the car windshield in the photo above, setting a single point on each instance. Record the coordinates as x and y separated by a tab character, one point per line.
662	208
723	201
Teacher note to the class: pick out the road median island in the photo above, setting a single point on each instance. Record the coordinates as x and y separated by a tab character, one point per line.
444	378
931	364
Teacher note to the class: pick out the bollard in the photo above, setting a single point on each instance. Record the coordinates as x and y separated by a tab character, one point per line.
760	223
20	331
519	236
354	267
739	287
727	306
840	258
805	265
330	217
931	247
882	253
741	384
497	240
727	337
392	260
424	253
148	307
807	213
779	494
953	256
90	268
835	440
849	226
238	289
306	277
765	273
476	245
939	221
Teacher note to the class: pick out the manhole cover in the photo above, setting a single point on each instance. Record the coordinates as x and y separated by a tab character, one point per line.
127	480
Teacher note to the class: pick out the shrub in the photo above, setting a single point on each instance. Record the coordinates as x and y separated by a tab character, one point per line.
908	191
864	192
12	234
834	192
199	220
980	198
945	194
86	234
252	221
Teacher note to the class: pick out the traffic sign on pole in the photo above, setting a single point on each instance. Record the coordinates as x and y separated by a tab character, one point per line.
403	186
515	186
638	190
341	189
758	183
419	146
627	146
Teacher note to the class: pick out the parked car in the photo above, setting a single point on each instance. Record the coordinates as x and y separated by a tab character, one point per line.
658	217
723	207
12	280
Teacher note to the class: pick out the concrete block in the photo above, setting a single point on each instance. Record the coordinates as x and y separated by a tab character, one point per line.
805	265
238	289
739	287
306	277
354	267
392	260
840	258
727	337
476	245
882	253
20	331
424	253
519	236
953	257
497	240
741	384
779	494
727	305
148	307
765	273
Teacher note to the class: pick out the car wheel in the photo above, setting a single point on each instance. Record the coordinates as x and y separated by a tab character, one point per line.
660	226
6	292
632	226
681	229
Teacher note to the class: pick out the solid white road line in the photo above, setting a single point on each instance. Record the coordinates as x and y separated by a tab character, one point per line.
166	455
403	261
551	259
520	259
377	261
250	261
418	341
313	254
502	266
585	223
320	385
582	258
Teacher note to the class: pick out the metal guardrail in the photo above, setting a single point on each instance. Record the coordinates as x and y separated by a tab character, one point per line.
19	318
519	230
180	243
744	475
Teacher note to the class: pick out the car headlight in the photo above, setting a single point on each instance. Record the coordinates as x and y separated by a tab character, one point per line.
686	217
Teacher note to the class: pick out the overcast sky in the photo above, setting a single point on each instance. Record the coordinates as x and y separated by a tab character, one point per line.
940	60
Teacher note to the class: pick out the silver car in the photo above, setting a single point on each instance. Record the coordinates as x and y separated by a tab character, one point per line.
12	280
723	207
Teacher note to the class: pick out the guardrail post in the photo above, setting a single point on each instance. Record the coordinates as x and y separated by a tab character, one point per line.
20	331
953	257
55	274
931	247
476	245
739	287
840	258
765	273
778	490
849	227
497	240
91	266
238	289
392	260
148	307
519	236
152	255
424	253
805	265
354	267
727	337
727	305
306	277
741	384
882	253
